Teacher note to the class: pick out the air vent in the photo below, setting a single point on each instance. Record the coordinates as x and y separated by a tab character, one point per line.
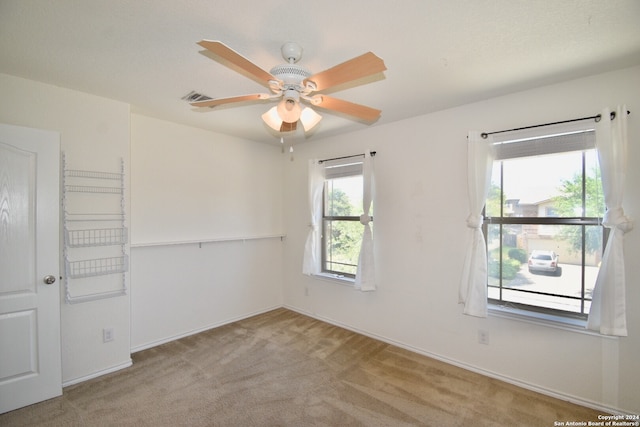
194	96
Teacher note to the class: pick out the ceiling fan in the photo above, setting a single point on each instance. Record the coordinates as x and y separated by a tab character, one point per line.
292	84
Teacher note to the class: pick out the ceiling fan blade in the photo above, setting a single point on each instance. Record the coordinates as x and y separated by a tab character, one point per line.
230	100
353	69
362	112
237	62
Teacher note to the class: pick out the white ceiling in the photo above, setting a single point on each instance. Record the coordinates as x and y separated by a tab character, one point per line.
439	54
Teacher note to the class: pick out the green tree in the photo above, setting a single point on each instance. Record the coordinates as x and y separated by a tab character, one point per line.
492	209
339	203
345	236
494	201
569	204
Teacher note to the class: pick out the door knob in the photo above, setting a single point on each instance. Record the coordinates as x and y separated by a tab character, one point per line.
49	280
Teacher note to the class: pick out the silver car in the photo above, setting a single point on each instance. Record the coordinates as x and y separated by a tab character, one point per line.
544	262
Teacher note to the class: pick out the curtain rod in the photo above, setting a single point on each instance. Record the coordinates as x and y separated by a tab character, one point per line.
597	118
372	153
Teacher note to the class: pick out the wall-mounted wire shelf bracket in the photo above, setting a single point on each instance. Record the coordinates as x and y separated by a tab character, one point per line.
92	198
93	189
96	267
96	237
75	173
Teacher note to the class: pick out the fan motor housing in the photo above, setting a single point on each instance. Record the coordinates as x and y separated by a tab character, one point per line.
291	75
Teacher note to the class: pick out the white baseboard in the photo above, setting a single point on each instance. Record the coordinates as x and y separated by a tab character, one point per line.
197	331
98	373
548	392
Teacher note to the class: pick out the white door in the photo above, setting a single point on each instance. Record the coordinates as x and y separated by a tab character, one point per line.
30	365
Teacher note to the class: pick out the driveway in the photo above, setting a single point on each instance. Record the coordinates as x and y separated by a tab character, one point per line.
569	283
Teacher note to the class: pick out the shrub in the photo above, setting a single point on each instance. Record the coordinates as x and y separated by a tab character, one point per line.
518	254
510	264
494	268
510	268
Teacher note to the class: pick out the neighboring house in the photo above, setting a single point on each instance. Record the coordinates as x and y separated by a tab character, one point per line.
532	237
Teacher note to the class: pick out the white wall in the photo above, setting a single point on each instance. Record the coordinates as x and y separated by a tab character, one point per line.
94	133
191	185
183	289
420	232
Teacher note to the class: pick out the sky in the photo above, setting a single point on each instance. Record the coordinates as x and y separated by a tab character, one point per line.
533	179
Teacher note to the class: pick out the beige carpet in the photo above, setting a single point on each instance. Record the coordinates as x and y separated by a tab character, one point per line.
285	369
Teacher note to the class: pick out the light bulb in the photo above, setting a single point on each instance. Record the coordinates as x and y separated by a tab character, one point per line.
289	110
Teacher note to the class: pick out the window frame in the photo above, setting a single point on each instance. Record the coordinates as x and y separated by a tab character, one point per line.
581	221
351	168
324	257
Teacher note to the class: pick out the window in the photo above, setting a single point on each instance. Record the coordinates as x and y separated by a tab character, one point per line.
341	227
543	223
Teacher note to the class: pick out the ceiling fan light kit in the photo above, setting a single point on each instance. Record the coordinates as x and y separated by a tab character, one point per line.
309	118
289	108
272	119
275	121
292	84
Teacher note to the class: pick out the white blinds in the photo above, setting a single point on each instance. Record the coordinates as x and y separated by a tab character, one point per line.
575	136
342	167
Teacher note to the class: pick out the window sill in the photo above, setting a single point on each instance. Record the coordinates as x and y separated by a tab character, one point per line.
335	278
544	319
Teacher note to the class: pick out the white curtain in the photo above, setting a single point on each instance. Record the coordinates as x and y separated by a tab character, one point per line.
473	285
365	272
311	260
608	312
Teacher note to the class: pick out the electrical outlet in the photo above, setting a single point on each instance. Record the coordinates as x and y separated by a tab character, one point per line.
306	292
107	335
483	337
